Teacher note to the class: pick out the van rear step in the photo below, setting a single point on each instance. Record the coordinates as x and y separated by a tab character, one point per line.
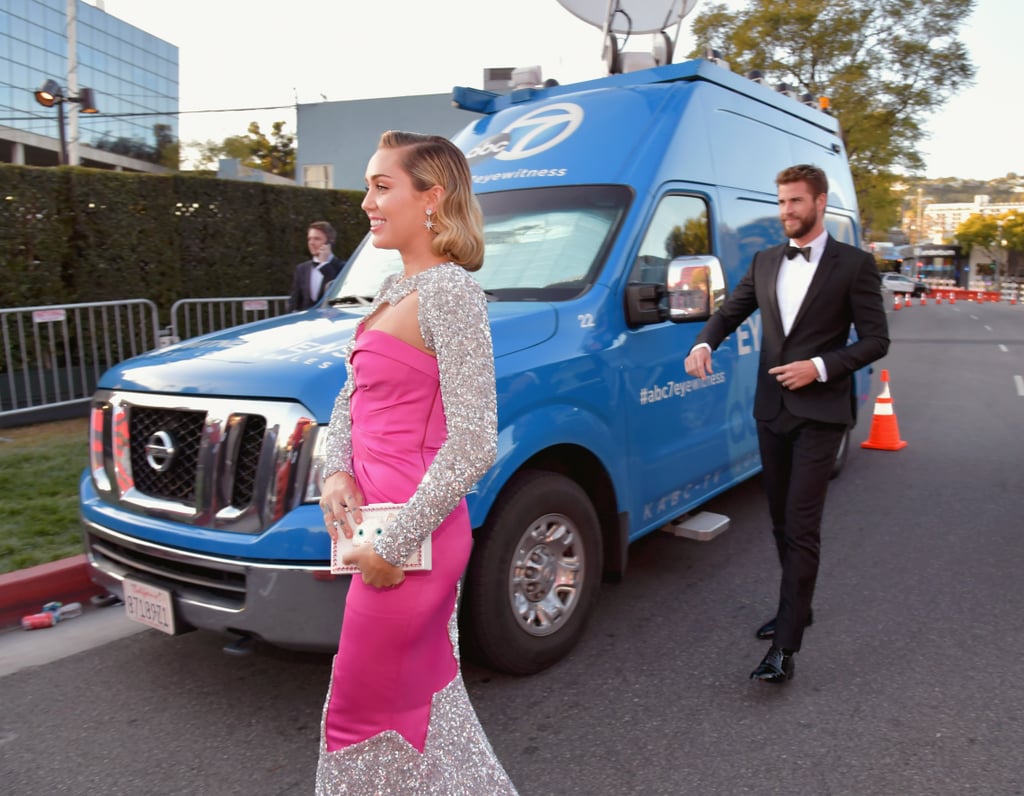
702	527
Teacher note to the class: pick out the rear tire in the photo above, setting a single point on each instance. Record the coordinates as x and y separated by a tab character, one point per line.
534	574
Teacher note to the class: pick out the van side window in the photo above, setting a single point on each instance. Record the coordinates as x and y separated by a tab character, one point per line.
678	228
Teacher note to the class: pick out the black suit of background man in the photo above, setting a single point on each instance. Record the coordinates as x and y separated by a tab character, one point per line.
320	237
801	419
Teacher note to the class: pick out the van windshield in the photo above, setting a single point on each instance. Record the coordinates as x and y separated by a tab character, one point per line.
542	244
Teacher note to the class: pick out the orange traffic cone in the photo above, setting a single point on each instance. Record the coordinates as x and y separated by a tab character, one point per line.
885	432
897	302
923	300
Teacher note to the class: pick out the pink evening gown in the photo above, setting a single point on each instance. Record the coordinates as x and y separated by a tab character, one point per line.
398	719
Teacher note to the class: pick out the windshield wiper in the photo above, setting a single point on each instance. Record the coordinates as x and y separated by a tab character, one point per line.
361	300
368	300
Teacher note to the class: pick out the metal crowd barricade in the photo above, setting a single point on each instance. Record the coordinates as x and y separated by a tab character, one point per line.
53	355
1011	293
201	316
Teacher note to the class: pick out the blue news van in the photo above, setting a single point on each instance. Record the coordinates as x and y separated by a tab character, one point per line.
619	213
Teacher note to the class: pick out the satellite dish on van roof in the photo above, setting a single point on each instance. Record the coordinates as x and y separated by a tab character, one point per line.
630	16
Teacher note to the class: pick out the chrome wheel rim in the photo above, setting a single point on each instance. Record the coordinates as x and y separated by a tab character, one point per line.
546	575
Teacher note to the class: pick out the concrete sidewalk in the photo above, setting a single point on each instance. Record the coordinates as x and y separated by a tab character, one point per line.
26	590
23	649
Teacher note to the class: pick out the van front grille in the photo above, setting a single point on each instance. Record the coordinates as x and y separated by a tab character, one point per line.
223	463
226	589
248	459
183	430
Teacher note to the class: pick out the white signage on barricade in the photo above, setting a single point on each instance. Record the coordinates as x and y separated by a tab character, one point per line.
49	316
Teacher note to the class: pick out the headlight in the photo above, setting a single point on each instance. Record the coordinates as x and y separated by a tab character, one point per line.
98	446
315	479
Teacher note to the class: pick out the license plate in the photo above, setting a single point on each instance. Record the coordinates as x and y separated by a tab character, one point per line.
149	605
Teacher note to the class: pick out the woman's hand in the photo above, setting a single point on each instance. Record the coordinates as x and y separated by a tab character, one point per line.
375	570
340	502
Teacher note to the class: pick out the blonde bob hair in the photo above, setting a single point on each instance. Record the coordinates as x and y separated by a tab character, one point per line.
458	221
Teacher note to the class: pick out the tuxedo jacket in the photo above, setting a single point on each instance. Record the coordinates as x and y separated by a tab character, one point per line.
300	298
845	290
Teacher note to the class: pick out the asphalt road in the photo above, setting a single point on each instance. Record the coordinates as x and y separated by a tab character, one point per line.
908	683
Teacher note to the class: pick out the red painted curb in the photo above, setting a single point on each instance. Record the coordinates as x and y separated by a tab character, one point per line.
25	591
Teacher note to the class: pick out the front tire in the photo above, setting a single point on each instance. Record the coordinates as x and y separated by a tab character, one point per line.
534	574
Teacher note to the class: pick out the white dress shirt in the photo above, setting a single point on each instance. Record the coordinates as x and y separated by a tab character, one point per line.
791	287
316	278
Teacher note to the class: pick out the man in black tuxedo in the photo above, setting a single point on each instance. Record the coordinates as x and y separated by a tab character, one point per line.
313	276
809	292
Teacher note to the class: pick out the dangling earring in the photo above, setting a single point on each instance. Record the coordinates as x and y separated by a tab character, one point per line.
429	223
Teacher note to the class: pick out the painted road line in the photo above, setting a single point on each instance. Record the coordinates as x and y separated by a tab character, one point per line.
1019	380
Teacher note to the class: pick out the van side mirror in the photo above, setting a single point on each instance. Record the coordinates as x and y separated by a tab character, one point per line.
679	290
688	287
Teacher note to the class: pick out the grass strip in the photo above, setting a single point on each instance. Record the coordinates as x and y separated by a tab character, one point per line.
40	466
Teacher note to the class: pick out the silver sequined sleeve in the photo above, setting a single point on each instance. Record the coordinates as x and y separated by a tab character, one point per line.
454	324
338	448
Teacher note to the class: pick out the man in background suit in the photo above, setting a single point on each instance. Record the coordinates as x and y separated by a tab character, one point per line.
809	292
313	276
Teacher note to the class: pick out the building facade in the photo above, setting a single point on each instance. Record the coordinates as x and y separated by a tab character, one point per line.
336	139
980	268
133	76
940	221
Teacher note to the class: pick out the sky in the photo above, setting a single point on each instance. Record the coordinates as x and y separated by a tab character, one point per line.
233	56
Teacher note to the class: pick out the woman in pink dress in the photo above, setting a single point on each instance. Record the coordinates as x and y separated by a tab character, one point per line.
415	424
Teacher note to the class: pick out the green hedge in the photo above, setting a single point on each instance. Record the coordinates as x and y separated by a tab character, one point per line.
72	235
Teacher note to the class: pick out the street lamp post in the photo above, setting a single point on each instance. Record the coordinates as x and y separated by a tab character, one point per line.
52	94
1003	266
1000	241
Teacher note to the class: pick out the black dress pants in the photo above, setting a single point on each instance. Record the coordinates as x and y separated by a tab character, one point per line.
797	457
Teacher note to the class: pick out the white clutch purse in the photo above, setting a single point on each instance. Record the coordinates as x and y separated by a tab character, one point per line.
376	518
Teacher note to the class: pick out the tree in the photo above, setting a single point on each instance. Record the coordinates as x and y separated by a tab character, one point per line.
883	64
689	239
995	236
168	150
275	155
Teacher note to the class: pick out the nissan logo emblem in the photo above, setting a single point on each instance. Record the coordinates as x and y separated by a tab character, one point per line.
160	451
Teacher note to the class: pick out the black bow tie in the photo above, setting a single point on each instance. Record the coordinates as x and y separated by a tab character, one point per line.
793	251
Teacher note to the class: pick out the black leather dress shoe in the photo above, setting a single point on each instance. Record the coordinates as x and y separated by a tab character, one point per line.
767	630
775	667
